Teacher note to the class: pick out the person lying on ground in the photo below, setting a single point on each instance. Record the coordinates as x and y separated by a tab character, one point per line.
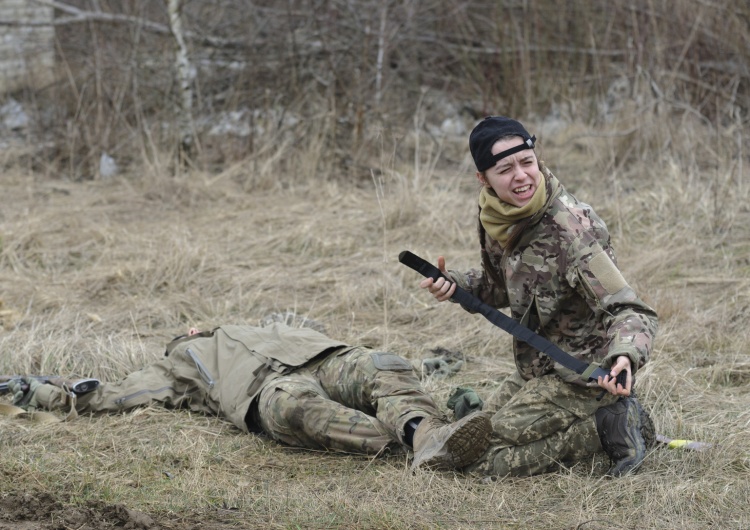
294	384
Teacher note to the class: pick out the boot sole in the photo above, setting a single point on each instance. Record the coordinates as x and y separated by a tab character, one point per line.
466	444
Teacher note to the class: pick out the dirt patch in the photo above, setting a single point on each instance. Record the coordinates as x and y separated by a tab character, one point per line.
42	511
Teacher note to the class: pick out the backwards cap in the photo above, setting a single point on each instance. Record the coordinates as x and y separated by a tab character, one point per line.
489	131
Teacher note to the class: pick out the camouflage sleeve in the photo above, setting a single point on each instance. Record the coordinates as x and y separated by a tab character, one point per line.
630	324
477	283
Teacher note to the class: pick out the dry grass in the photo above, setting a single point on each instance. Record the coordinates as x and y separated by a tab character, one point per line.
96	276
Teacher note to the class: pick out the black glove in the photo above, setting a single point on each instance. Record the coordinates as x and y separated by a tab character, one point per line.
464	401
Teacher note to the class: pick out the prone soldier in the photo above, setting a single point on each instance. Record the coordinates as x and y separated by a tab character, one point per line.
297	385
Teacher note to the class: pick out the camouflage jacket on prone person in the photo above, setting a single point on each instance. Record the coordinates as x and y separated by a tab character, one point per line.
235	362
561	280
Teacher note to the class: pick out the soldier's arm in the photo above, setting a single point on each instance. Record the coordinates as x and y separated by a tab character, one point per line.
478	283
631	324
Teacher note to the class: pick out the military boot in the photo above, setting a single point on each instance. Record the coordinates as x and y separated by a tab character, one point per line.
442	445
626	432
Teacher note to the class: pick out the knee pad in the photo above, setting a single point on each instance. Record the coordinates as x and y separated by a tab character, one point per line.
390	362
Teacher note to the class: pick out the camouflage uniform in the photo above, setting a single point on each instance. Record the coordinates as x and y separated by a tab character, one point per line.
561	280
295	384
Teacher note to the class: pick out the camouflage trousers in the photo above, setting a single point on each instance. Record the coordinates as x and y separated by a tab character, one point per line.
539	424
357	401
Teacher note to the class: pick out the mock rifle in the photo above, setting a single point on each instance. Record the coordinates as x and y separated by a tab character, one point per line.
77	386
473	304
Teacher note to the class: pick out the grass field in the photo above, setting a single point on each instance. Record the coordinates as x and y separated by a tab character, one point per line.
96	276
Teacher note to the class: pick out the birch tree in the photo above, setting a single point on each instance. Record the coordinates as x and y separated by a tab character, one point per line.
185	80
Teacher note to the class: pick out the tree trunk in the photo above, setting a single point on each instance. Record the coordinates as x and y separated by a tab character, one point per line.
185	78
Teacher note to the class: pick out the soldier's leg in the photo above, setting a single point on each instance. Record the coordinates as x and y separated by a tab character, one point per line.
296	410
507	389
379	383
546	422
575	443
384	384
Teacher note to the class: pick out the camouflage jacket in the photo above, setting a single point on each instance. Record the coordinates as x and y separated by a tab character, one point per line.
236	361
561	280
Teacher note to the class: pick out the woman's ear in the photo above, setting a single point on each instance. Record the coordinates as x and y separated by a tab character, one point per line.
482	180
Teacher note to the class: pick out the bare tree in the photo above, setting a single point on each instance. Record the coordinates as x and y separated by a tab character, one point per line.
185	78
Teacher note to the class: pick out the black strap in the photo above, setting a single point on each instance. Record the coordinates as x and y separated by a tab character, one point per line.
528	144
473	304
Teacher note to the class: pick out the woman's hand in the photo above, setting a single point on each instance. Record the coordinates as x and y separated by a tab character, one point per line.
610	384
441	288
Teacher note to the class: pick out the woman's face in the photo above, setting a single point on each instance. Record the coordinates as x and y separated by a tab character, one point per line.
514	178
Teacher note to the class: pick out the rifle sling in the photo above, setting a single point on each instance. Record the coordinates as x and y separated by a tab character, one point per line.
474	305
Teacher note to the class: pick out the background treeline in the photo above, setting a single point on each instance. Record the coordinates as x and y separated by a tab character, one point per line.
278	80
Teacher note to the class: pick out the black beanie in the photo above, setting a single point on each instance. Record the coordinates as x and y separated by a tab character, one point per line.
489	131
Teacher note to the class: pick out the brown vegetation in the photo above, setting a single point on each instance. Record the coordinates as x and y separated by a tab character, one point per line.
310	215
